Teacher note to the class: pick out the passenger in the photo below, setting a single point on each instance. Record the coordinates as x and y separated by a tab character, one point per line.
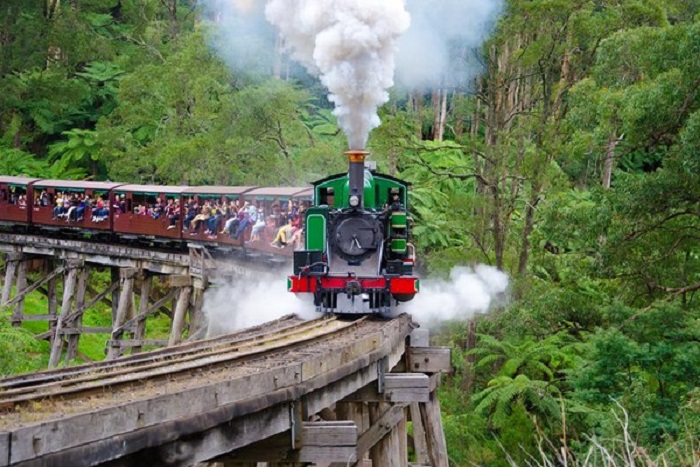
258	227
250	217
283	234
80	209
73	205
201	217
100	213
231	225
58	211
22	202
191	211
173	213
120	204
217	213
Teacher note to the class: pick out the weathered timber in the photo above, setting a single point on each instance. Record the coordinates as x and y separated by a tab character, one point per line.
419	443
11	262
183	301
22	292
127	277
384	444
140	318
4	449
73	339
68	291
429	359
208	421
435	436
21	285
323	442
398	387
144	314
130	343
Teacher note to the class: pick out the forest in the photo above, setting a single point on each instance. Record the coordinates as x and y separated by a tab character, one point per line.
570	161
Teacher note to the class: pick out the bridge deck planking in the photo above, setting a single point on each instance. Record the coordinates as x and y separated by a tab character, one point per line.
59	435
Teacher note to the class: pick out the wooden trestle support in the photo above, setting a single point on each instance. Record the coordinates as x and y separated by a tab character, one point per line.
370	427
138	288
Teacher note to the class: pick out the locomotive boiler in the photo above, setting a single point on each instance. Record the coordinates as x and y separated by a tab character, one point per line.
357	257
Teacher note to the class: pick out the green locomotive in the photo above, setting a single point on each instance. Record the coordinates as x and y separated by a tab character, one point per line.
357	256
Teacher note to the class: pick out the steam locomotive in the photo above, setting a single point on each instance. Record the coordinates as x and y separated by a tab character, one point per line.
357	257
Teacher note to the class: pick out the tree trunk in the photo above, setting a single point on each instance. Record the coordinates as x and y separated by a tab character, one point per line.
51	8
610	159
171	6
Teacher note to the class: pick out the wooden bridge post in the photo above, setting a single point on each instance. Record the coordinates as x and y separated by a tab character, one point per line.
20	286
419	439
11	262
74	339
126	278
51	295
140	326
72	267
386	453
181	307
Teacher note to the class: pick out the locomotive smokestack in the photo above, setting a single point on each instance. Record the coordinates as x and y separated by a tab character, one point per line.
356	177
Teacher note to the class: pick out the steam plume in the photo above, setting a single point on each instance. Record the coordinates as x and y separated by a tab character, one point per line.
249	302
441	47
351	45
468	292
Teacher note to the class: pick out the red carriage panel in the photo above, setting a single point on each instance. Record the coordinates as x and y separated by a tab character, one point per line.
16	199
143	210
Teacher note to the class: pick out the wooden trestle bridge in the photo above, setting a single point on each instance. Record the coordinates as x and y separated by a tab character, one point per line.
325	392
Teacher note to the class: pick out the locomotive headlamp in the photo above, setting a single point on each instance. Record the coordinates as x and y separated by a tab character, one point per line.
354	201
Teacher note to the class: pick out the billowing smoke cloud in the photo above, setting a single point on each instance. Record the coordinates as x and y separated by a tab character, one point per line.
354	46
468	292
351	45
249	302
440	49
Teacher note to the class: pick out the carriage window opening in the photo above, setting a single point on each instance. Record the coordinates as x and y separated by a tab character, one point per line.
3	194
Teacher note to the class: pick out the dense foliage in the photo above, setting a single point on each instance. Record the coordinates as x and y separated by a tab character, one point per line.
573	164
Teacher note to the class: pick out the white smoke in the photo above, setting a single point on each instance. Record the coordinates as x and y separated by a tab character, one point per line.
441	47
248	302
350	44
468	292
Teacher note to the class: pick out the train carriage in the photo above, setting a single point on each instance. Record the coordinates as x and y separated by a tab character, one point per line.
50	211
16	198
133	211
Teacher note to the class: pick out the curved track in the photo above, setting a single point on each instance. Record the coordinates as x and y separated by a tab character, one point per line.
46	395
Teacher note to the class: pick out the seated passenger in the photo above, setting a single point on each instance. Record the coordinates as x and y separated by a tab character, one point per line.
284	234
99	213
58	211
201	217
191	211
258	227
173	213
250	217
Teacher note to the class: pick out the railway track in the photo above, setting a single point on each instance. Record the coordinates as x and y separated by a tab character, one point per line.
43	396
250	334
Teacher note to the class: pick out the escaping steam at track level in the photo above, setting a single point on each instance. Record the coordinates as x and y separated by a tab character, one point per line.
350	44
466	293
249	302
